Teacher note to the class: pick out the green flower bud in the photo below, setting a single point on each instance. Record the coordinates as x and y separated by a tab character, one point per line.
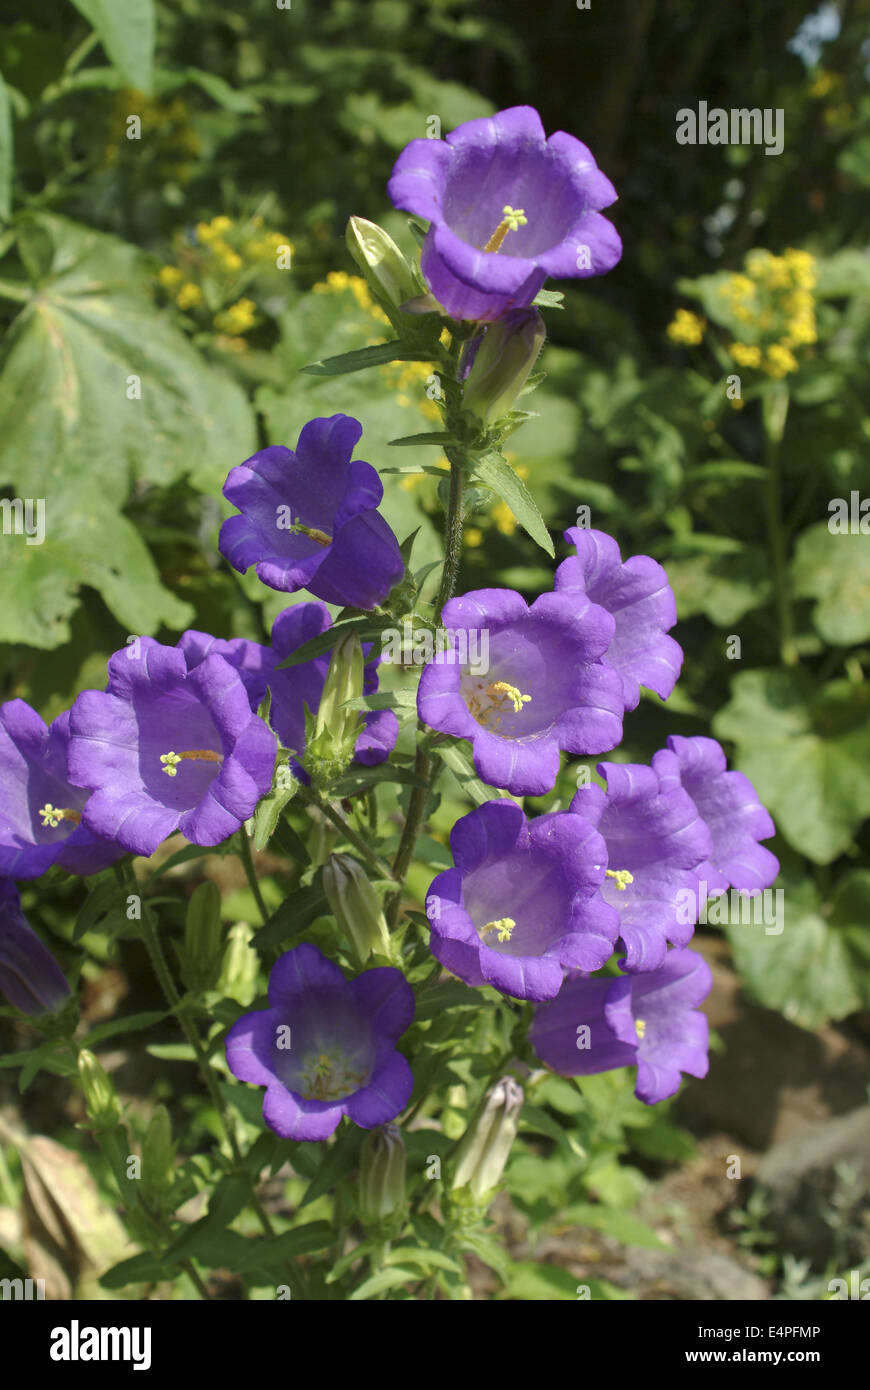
201	953
382	1175
484	1147
503	362
336	729
101	1098
238	977
158	1153
381	262
355	906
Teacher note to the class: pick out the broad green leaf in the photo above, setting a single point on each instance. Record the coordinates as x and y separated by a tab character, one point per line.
98	390
496	472
835	570
719	587
813	971
126	30
806	751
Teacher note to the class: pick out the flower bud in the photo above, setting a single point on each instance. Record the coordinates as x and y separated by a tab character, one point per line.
101	1098
381	1175
201	953
381	262
503	362
355	906
484	1147
336	729
158	1152
241	964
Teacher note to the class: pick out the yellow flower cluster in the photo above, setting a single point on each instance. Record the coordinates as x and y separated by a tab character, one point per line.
238	318
773	300
686	328
226	256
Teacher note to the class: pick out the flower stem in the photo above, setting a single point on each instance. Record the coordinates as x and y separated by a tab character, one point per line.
247	859
380	866
423	769
167	984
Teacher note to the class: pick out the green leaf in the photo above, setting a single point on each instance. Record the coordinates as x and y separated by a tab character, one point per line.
113	1027
496	472
835	570
816	970
302	1240
439	438
104	896
70	435
549	299
365	629
126	30
339	1160
385	699
383	1280
806	751
7	159
453	757
295	914
378	355
722	587
220	91
624	1227
429	1259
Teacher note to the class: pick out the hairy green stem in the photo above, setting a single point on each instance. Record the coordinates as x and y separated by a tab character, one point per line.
247	859
381	867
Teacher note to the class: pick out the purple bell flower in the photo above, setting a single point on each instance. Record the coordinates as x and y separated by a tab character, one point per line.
30	977
650	1021
729	805
296	686
325	1047
309	519
40	810
641	600
523	904
165	749
655	840
545	687
506	207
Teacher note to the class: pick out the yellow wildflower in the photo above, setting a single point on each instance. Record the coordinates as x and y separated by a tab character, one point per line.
686	327
746	354
189	296
780	361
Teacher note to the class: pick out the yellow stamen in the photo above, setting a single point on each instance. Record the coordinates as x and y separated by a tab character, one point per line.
171	760
622	876
491	703
640	1027
53	815
312	533
512	219
503	926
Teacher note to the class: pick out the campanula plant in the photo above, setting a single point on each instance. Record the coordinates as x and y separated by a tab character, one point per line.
442	931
